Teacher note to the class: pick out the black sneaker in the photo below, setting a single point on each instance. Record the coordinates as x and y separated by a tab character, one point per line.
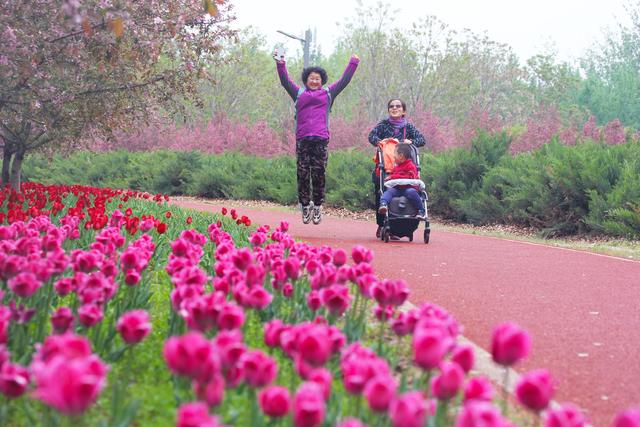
316	214
306	213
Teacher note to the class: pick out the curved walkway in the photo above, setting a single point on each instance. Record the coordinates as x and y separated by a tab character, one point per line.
581	309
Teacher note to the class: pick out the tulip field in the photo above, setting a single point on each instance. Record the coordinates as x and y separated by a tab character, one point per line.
119	309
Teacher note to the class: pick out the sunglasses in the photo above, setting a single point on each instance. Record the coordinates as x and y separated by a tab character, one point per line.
395	106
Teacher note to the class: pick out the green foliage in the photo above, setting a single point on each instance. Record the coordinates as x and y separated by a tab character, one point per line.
455	176
588	188
238	176
176	174
349	182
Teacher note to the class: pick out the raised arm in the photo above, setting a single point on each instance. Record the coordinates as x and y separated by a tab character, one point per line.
285	81
336	87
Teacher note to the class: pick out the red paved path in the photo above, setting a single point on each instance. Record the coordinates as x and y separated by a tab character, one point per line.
582	309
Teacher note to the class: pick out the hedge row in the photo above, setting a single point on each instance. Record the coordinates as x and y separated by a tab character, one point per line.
559	190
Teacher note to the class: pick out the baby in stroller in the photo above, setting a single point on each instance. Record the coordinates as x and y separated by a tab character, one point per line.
404	199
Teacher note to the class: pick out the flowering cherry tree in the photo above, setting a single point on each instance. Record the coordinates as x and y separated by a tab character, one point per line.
87	67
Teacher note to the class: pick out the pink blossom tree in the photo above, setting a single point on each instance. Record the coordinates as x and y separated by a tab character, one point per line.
84	68
614	132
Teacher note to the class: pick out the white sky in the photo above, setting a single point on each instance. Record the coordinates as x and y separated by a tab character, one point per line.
569	27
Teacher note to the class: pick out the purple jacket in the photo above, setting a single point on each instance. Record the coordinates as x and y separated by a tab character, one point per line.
312	106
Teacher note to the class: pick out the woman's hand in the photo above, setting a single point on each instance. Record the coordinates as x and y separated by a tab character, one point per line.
354	56
408	141
278	57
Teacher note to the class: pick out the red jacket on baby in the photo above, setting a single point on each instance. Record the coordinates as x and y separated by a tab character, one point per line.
404	170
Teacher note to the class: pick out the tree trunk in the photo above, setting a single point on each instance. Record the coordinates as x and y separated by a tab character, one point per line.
16	168
6	165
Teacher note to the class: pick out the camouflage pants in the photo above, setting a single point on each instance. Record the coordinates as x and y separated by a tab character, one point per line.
312	156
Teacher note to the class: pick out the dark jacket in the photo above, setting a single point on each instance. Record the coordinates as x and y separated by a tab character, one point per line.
384	130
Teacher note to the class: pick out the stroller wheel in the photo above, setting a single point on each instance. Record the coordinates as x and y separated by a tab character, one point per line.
386	235
427	232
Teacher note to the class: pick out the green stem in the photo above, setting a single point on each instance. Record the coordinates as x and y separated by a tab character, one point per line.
380	335
505	392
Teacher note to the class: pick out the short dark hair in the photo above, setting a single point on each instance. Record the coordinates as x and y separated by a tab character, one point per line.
404	149
404	104
314	69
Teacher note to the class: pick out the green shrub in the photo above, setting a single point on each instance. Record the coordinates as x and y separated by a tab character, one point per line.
349	182
557	189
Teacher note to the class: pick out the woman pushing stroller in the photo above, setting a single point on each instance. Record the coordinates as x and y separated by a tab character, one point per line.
394	127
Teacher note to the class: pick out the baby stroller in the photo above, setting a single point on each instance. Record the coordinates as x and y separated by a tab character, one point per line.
402	218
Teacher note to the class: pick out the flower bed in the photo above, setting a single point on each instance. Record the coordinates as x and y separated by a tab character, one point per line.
117	310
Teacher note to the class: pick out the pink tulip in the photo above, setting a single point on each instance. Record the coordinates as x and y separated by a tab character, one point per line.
628	418
429	346
322	377
314	301
132	277
308	406
379	391
24	284
314	345
69	385
448	382
130	259
569	415
254	275
337	338
192	355
259	369
509	344
405	323
339	257
360	254
230	347
275	401
146	225
90	315
478	388
464	357
292	268
68	345
195	414
64	286
258	297
479	413
134	326
535	390
211	392
272	331
284	226
202	311
242	259
62	319
383	313
287	290
14	380
351	422
86	262
231	316
408	410
336	298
